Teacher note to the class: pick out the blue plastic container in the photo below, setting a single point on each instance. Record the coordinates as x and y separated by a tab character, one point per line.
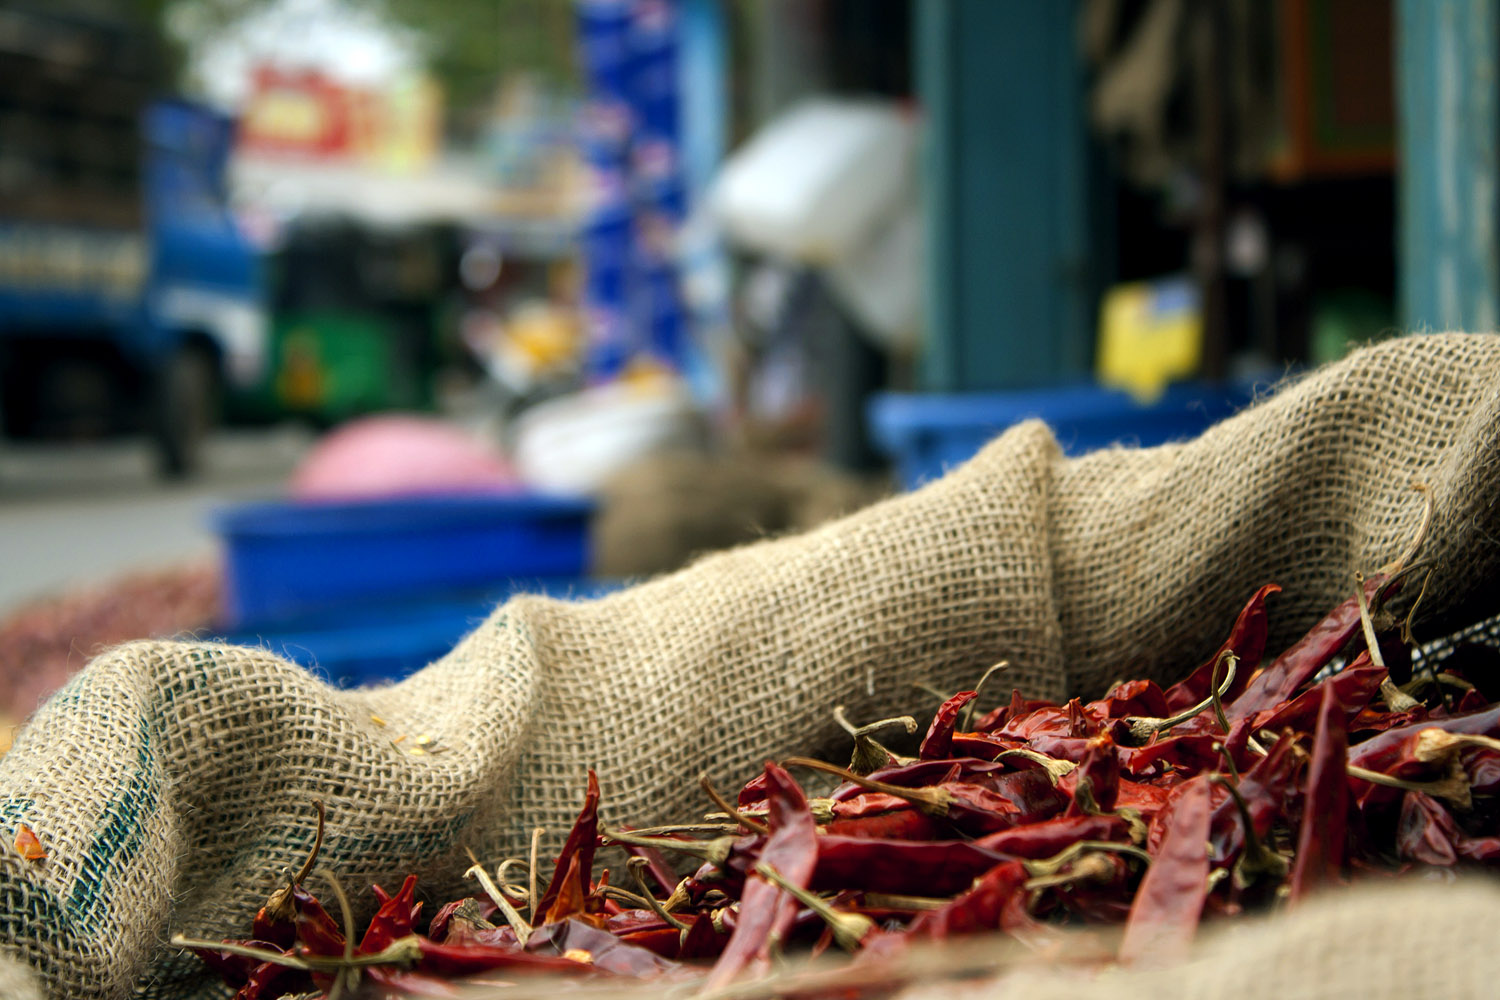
289	560
378	642
925	435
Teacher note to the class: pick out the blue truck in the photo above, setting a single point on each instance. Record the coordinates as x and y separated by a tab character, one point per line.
130	300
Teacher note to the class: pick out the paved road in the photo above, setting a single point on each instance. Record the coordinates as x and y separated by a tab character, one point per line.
80	514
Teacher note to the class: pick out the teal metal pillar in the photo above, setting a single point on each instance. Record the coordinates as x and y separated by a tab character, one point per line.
1006	188
1449	116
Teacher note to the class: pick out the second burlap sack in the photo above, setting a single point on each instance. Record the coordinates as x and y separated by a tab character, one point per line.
171	783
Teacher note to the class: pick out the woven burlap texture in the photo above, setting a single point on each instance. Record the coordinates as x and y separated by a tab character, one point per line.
171	782
1420	941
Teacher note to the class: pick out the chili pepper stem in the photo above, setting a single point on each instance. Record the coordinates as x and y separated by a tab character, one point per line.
1406	635
1415	545
1045	867
1083	794
1439	680
1453	789
969	708
1056	769
1223	752
848	928
715	852
516	921
869	754
1213	687
1438	744
280	905
1395	699
904	721
894	901
674	828
401	951
1089	868
637	868
536	843
347	977
933	801
1264	859
678	897
926	688
623	895
1142	729
748	822
506	887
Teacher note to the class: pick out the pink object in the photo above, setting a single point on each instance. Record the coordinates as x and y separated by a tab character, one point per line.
394	456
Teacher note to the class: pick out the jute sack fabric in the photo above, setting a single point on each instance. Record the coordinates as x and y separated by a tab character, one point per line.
1418	941
171	782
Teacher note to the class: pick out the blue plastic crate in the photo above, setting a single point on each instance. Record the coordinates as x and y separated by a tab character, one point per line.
378	642
925	435
290	560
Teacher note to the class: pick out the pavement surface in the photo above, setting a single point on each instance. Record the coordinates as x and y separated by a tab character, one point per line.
73	515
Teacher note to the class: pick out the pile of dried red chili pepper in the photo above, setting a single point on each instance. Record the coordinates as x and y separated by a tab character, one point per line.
1244	786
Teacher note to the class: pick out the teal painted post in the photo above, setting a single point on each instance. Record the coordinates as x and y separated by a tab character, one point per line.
1449	115
1005	178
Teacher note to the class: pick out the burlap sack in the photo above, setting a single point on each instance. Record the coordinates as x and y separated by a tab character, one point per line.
1419	941
171	783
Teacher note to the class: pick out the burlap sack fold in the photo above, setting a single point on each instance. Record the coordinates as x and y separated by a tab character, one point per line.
1417	941
171	783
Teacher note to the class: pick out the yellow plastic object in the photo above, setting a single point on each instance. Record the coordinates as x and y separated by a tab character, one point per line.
1151	333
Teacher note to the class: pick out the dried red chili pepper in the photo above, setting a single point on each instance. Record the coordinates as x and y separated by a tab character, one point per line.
939	738
458	960
927	772
605	952
395	918
317	932
1428	833
1353	688
252	976
1320	842
1306	657
766	912
1072	721
1372	719
1014	709
898	824
702	940
1193	752
980	908
1049	837
581	842
1164	916
1142	698
1247	640
1096	782
1417	752
572	895
403	984
482	907
1265	789
1483	769
1016	797
665	940
939	867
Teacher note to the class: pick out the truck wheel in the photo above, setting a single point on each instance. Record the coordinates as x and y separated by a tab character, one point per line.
187	401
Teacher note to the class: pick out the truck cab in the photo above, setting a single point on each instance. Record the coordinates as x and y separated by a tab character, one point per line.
130	301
